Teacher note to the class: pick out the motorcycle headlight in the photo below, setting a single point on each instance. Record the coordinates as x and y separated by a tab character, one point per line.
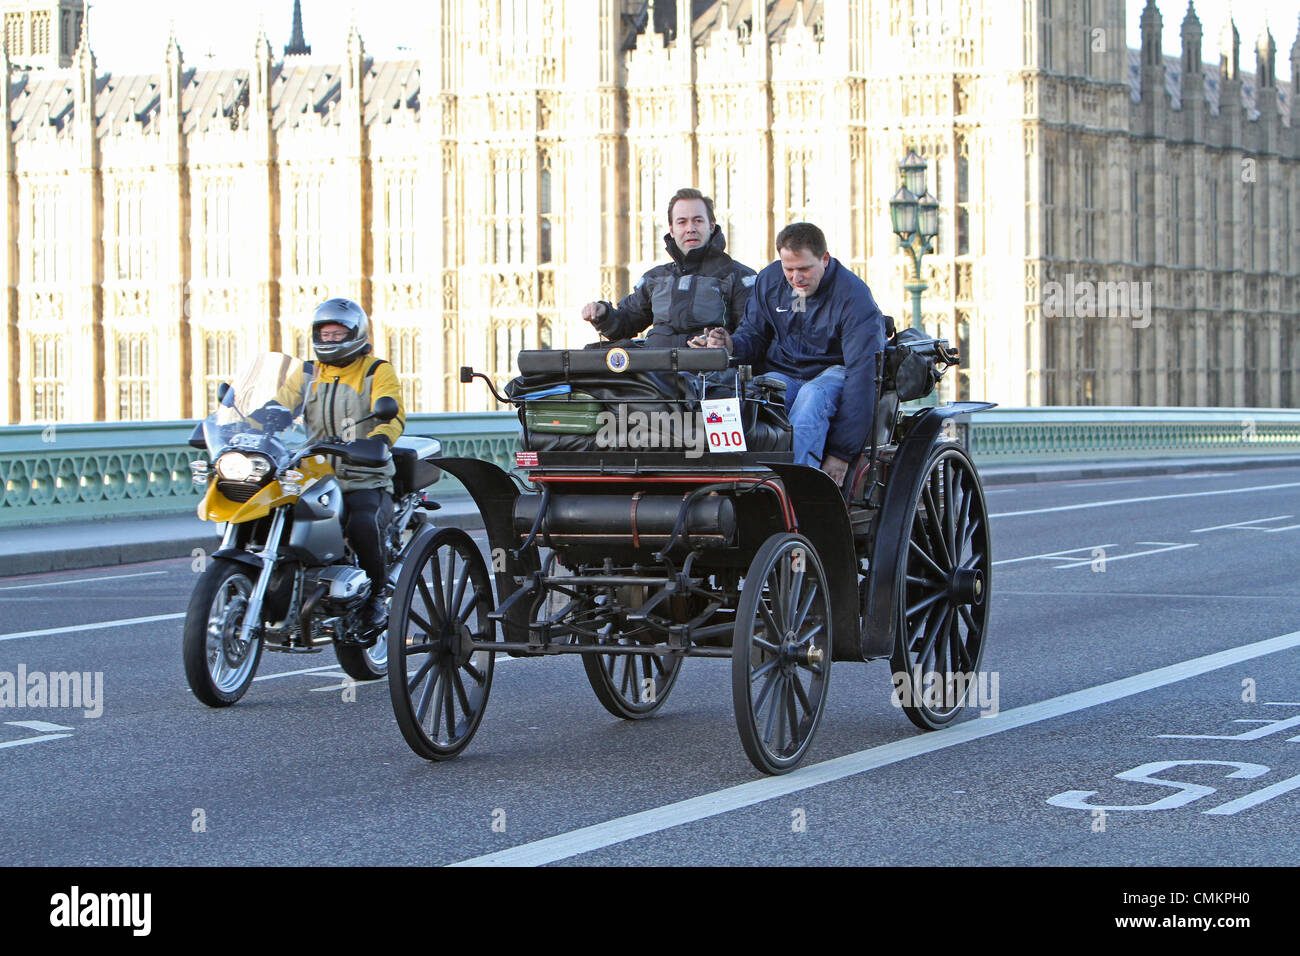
238	466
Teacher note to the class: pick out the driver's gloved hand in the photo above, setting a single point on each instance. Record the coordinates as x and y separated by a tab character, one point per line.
273	417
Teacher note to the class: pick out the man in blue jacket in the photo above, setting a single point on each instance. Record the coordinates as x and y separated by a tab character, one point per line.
813	323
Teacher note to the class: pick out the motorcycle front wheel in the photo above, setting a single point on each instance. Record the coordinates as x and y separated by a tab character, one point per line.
218	665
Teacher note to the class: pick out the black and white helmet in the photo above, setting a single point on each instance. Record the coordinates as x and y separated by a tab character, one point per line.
352	317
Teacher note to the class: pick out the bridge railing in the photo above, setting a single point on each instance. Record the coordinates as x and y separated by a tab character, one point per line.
119	469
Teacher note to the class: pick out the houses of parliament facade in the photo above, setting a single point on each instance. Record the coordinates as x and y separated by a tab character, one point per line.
1117	225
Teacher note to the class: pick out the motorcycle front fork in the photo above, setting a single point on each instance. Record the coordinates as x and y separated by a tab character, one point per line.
270	550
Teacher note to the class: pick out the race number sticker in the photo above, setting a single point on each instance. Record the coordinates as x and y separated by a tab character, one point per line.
722	424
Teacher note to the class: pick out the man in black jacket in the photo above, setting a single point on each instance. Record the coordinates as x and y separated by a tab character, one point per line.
701	288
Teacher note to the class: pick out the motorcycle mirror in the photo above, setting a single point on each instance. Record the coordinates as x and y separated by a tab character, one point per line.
386	409
222	391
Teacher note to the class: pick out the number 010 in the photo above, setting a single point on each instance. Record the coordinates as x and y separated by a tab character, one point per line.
725	439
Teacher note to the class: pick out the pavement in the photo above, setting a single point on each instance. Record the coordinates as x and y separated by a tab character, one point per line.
70	545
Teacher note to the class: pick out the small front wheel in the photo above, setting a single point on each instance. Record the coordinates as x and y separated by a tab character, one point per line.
218	665
781	652
438	682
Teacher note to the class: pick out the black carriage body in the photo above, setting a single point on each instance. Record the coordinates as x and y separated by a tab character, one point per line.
650	556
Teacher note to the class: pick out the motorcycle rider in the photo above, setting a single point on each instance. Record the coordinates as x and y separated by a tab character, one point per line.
338	392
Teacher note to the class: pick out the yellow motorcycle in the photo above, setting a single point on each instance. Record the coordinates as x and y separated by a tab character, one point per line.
284	577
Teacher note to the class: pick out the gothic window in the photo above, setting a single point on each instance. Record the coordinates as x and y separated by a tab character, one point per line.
67	36
1135	215
133	235
49	372
1285	232
1214	336
404	353
1248	227
1049	207
218	237
507	206
14	34
307	241
40	32
1176	221
48	262
1215	228
1289	394
219	361
546	209
963	198
133	378
1087	36
1090	211
1135	368
507	339
800	193
649	192
399	223
1046	27
1051	360
723	182
1251	367
1177	330
1088	361
963	349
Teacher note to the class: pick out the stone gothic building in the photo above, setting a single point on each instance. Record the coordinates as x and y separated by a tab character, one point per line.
1116	224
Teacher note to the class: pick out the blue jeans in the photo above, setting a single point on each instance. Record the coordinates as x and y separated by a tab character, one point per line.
811	404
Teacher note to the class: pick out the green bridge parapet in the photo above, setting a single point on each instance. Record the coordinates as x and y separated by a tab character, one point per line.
120	469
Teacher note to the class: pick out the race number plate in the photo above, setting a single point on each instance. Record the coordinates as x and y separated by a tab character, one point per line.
722	424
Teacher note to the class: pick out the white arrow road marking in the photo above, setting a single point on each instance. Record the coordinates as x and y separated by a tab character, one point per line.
1055	555
635	825
1129	501
38	725
1251	525
1167	546
98	626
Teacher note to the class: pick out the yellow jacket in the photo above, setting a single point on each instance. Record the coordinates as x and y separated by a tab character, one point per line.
335	397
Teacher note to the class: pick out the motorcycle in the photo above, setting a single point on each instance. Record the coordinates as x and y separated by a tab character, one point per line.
284	578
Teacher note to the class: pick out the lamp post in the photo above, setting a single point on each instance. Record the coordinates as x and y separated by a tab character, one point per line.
915	217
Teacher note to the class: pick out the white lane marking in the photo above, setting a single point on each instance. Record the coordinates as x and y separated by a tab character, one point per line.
305	670
1250	525
1054	555
97	626
635	825
55	584
1129	501
32	740
43	726
1256	798
1090	595
1168	546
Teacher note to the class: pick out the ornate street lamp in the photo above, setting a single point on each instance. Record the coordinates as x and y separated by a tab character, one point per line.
915	217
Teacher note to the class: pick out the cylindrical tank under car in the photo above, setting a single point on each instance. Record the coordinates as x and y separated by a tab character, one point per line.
636	520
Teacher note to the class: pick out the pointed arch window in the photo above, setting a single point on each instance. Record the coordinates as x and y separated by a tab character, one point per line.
134	377
49	372
220	350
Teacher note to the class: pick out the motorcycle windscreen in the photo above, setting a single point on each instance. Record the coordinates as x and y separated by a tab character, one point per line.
262	409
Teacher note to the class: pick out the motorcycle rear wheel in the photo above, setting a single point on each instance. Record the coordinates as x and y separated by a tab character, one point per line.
218	666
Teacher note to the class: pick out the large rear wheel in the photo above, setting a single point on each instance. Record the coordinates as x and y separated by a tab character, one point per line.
944	596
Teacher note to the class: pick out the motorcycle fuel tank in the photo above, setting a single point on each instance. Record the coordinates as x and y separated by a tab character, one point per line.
316	536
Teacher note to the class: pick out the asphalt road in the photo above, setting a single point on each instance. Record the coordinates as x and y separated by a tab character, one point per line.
1123	611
